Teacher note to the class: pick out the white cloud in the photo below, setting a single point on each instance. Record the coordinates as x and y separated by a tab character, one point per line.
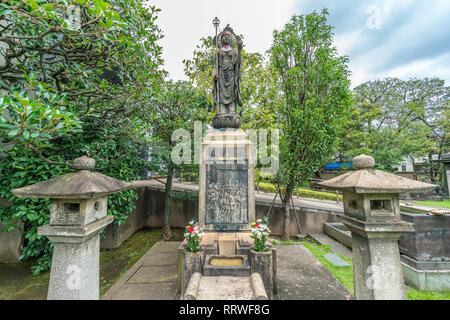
434	67
397	49
184	22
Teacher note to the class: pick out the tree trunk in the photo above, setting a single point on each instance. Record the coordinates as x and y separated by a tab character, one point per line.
286	217
166	233
430	160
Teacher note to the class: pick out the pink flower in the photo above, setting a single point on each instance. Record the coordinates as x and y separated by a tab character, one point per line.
191	229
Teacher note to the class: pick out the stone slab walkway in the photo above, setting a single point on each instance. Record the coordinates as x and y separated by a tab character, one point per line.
300	277
152	277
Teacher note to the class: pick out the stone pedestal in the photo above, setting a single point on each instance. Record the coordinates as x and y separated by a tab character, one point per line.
262	263
192	262
75	262
447	177
226	195
377	270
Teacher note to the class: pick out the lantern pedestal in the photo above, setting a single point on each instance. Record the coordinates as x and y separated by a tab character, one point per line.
377	270
75	262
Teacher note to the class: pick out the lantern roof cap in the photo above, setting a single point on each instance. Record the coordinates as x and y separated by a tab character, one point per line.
83	184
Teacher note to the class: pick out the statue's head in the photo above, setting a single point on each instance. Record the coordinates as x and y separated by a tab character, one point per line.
227	39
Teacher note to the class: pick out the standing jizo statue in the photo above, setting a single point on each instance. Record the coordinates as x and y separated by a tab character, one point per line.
227	78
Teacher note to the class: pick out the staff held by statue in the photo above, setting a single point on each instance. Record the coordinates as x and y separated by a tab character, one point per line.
216	23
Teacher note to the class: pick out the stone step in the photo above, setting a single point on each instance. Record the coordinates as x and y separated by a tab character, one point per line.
225	288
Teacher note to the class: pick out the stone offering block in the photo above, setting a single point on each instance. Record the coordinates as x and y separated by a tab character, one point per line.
236	266
336	260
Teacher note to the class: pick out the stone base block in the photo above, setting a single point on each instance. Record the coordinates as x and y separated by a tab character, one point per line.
242	270
339	232
426	276
191	262
262	263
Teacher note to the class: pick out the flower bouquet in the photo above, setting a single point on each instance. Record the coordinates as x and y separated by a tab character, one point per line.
193	235
260	232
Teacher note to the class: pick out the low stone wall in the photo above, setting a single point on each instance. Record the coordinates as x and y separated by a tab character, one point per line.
431	239
116	234
183	210
425	253
149	213
10	242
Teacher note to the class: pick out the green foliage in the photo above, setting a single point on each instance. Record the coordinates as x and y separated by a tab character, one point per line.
74	90
57	74
186	195
394	119
193	234
442	204
20	168
413	294
259	234
176	108
36	114
315	85
300	192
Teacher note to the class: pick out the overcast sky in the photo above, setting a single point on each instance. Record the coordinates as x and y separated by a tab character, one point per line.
383	38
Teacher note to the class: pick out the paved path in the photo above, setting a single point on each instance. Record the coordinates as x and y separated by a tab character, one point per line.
300	277
153	277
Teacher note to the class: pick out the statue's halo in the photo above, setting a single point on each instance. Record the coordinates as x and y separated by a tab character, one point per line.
227	30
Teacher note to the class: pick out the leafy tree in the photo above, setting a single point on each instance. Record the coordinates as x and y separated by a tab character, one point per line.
73	87
315	86
394	119
57	73
176	107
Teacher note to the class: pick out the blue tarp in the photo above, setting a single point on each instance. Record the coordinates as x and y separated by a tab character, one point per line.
335	165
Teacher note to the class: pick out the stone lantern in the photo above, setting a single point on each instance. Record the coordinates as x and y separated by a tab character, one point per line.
77	216
445	160
372	214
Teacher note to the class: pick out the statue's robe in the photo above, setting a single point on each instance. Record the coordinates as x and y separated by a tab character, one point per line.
228	82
